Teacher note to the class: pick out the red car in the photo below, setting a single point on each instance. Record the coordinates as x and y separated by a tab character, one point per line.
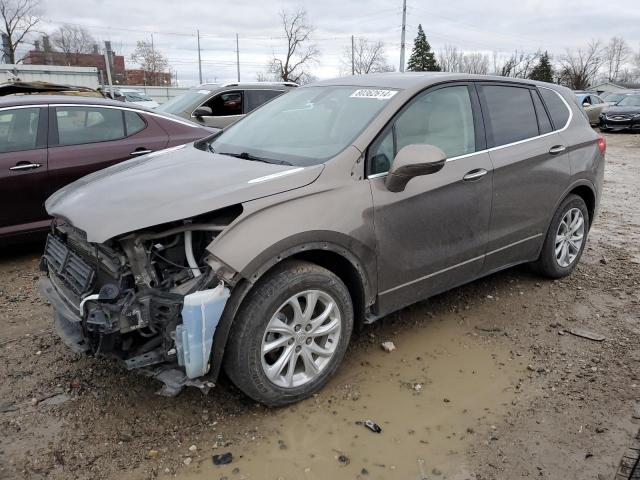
47	142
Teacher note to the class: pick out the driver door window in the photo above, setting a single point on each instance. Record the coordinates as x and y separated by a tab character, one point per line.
442	117
225	104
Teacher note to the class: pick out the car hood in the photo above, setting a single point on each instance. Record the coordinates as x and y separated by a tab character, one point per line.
166	186
623	110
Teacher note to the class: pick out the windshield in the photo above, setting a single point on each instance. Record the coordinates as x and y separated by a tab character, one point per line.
185	102
630	101
305	126
615	97
136	97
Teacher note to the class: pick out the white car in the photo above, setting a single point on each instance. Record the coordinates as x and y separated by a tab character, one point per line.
135	96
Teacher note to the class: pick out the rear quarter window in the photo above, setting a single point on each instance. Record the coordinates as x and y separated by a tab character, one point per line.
556	107
133	123
510	114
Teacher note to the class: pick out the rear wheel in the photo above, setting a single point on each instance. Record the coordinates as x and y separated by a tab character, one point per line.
565	240
290	335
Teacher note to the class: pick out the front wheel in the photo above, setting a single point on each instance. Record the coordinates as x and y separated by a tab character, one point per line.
290	335
565	240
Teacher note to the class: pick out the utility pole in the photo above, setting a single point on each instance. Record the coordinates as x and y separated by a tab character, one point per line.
238	57
404	27
108	69
353	61
199	59
153	62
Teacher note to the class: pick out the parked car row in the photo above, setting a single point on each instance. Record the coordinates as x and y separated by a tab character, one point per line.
48	141
611	110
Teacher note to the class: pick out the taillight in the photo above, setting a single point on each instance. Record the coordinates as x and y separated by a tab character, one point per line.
602	144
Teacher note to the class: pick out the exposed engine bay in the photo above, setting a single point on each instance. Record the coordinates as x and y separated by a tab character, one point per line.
148	298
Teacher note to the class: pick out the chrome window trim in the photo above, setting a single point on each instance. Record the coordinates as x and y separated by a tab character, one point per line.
506	145
23	106
117	107
471	260
567	106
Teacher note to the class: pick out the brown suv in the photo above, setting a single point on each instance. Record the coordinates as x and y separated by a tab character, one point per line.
258	249
47	142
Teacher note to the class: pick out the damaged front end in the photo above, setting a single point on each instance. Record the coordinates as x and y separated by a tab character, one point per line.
150	298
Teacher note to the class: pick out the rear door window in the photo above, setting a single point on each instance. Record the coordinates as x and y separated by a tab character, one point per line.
86	124
510	115
556	107
19	129
255	98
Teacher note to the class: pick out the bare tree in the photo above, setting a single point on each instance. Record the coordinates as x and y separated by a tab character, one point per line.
367	57
579	68
301	53
449	59
518	65
19	18
475	63
151	61
452	60
73	39
616	55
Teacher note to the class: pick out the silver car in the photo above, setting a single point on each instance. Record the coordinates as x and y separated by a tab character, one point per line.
219	105
259	249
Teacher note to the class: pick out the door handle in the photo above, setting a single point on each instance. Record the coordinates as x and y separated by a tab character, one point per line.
474	174
25	166
556	149
144	151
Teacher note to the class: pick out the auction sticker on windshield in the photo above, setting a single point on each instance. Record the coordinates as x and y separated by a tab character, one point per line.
373	93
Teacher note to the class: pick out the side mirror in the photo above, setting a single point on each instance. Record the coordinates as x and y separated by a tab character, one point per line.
203	111
413	161
586	104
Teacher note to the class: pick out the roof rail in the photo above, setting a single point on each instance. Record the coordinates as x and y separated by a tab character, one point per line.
235	84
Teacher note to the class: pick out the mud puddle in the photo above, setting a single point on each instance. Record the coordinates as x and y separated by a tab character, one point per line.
438	392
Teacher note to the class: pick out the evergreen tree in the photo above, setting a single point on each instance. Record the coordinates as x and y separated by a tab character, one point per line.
543	71
422	59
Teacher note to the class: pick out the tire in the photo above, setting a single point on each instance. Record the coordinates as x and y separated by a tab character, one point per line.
273	298
557	266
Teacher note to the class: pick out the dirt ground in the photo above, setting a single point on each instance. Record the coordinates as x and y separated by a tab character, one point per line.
485	383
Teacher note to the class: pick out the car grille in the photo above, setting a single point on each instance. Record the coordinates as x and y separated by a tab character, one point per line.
618	117
77	275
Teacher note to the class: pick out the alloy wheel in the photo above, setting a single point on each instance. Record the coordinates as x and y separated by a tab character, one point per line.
569	237
301	338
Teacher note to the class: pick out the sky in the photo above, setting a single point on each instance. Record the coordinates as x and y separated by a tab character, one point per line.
500	26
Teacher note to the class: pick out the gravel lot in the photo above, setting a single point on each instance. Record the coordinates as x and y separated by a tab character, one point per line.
485	383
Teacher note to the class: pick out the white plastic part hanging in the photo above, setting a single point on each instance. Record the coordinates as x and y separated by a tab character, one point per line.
188	250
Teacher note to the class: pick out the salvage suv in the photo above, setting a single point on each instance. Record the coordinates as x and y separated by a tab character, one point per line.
258	249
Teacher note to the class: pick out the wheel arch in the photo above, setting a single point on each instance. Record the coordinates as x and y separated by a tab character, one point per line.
355	274
588	194
585	190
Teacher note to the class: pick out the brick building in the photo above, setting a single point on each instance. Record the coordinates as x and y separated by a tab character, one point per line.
45	55
142	77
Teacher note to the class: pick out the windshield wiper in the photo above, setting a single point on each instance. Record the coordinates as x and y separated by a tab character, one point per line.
248	156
